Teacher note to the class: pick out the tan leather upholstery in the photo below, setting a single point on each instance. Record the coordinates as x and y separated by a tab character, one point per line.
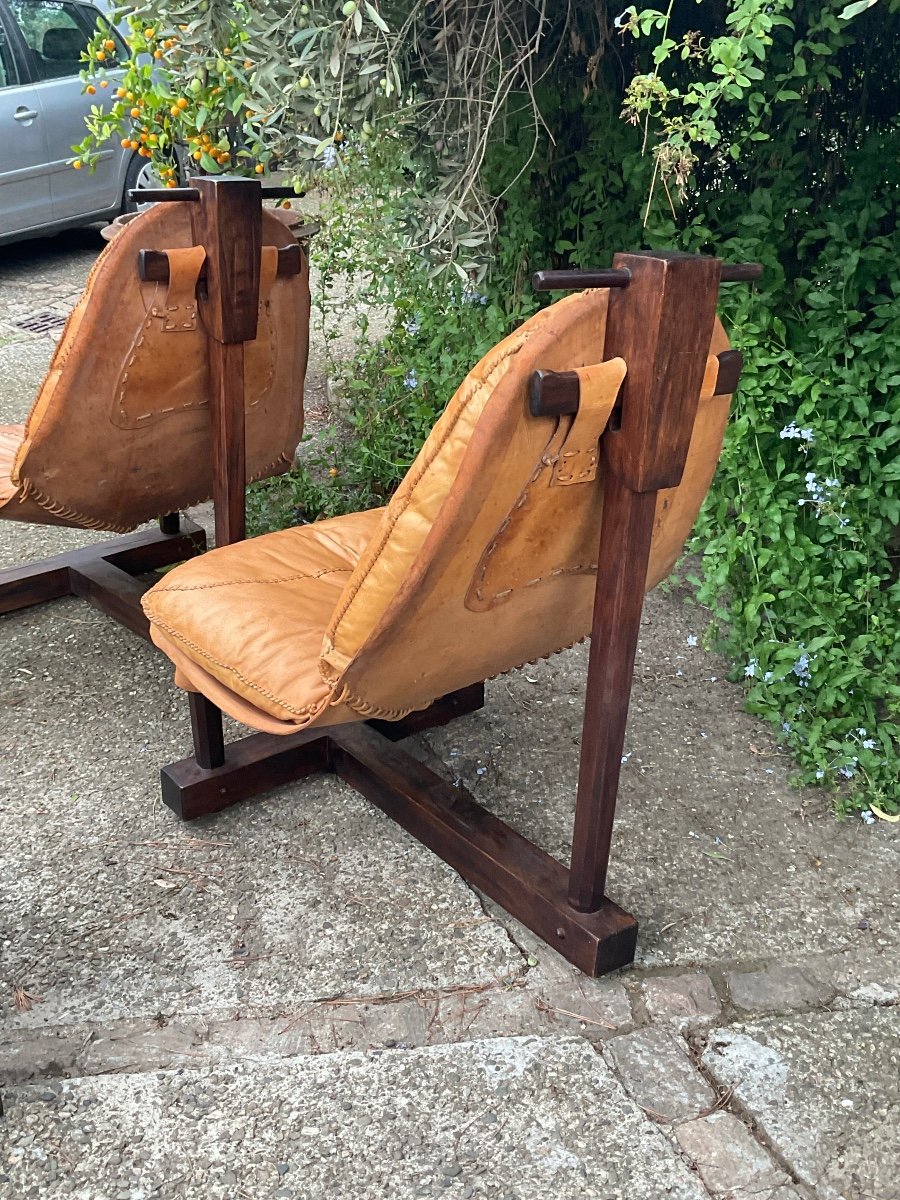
484	559
119	432
10	440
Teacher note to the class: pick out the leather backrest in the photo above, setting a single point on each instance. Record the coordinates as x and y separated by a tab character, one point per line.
120	431
485	558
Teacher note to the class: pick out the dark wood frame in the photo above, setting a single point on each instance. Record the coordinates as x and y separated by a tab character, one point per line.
661	314
105	574
660	321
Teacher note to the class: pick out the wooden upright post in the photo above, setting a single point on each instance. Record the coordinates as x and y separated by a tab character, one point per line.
227	223
661	324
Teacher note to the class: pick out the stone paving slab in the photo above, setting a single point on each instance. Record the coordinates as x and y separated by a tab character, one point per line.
502	1119
730	1161
111	907
822	1089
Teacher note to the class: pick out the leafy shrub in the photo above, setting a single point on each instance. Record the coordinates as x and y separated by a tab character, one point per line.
797	167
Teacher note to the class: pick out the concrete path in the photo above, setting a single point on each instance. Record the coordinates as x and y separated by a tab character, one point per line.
295	999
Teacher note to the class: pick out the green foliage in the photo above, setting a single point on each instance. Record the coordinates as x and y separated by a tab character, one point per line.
778	123
237	86
393	389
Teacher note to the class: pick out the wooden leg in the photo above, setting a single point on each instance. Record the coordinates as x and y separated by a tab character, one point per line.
621	574
206	731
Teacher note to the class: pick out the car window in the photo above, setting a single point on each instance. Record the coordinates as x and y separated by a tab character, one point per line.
56	32
9	75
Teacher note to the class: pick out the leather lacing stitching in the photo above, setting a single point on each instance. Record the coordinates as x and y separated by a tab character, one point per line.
178	637
401	508
30	492
309	711
578	569
397	714
200	587
264	316
548	462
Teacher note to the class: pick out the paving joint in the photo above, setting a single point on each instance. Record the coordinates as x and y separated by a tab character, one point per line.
729	1102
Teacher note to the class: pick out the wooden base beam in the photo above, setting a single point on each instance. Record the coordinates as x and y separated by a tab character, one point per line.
529	883
103	573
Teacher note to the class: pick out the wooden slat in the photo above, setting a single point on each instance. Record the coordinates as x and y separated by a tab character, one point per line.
528	882
113	591
48	579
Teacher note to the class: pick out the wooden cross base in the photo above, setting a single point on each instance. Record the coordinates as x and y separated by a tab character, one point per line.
530	884
104	573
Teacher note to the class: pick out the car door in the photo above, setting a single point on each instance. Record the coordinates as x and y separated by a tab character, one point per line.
24	182
56	32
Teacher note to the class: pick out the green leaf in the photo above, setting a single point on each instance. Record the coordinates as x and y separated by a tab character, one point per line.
374	16
853	10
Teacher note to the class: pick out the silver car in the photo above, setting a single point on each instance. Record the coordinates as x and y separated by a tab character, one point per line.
42	111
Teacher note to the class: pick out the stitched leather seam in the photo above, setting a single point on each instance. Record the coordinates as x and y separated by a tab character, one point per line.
578	569
201	587
475	387
547	461
197	650
309	711
29	492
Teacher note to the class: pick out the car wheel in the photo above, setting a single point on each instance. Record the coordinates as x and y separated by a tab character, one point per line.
140	177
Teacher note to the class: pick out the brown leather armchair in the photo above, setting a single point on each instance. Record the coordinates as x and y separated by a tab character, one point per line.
120	432
483	560
522	526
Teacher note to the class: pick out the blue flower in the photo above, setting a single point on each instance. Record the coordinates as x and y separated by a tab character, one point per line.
801	667
867	816
412	327
411	380
794	431
471	296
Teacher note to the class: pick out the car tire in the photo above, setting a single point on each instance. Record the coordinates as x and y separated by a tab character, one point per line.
139	176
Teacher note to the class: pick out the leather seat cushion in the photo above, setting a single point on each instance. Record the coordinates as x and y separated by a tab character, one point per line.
10	440
255	640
